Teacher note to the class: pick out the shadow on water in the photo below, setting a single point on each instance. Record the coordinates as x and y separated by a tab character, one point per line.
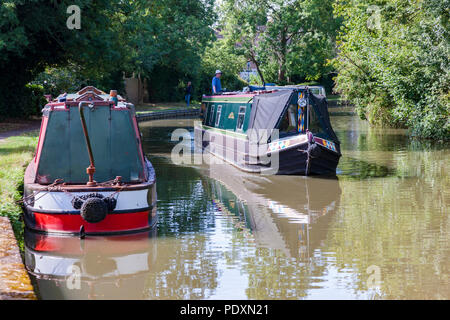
355	169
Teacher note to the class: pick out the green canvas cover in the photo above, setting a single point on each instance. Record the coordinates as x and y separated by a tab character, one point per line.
113	139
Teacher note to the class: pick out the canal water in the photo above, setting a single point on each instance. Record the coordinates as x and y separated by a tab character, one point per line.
380	230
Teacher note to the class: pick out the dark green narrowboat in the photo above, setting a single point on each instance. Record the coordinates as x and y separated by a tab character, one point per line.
286	130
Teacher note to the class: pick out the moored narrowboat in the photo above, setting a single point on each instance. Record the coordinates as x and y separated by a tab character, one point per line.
285	130
89	174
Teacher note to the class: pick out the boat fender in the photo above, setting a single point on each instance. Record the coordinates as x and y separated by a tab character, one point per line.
94	206
94	210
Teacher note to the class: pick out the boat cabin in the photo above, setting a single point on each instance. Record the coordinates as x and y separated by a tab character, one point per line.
114	138
291	110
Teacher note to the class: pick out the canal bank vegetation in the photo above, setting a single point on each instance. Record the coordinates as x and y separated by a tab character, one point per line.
393	63
389	59
161	41
15	154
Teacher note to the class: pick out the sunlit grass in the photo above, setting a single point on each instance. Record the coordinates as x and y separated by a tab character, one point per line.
15	154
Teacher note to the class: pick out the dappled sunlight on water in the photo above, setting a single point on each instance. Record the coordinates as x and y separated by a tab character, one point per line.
225	234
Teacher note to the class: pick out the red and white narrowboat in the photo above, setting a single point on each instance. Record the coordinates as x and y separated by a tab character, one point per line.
89	174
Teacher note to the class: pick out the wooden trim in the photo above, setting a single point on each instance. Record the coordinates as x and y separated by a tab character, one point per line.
237	135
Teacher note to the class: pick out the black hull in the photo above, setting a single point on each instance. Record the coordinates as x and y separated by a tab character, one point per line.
308	158
298	161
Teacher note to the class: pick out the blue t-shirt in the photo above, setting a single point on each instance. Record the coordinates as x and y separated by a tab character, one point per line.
115	99
216	83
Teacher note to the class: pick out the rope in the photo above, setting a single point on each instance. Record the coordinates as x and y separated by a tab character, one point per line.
57	186
49	188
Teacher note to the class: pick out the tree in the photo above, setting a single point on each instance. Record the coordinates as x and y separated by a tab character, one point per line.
243	27
221	56
283	38
34	34
164	40
393	63
148	38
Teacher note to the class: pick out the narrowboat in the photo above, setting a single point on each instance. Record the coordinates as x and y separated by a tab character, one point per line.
89	174
285	130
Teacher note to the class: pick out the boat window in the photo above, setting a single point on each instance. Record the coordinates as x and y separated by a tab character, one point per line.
314	123
289	121
219	111
315	90
203	113
318	90
211	114
241	118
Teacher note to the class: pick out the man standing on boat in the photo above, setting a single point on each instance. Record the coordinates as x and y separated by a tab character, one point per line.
216	86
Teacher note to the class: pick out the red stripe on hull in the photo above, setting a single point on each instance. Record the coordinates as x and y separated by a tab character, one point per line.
109	245
72	222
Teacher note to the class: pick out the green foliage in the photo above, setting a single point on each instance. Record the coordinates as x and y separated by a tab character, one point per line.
164	41
147	38
72	78
33	35
288	40
35	100
222	57
58	80
393	63
15	154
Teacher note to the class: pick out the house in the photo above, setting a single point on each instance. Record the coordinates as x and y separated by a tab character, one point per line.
248	71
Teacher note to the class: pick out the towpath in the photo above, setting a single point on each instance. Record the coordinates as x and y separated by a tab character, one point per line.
14	280
8	129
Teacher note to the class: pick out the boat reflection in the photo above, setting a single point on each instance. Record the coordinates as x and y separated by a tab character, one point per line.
64	267
290	215
287	213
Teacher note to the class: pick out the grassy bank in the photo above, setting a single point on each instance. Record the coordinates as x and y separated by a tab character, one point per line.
17	151
15	154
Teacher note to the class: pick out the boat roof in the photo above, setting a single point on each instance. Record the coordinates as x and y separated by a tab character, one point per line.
268	106
251	91
286	87
89	93
114	136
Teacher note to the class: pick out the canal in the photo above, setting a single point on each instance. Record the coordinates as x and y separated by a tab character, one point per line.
381	230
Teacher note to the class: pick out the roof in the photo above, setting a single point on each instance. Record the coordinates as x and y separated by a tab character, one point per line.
89	93
267	110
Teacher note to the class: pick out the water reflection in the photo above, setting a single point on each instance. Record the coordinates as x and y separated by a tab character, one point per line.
113	267
280	212
225	234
